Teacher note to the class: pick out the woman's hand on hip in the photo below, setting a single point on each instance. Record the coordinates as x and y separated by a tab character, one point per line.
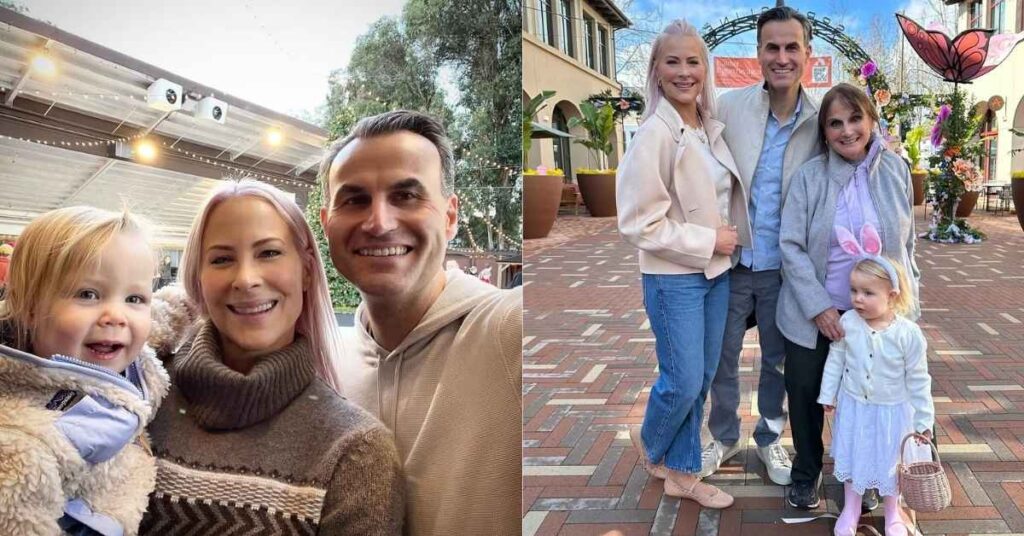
726	238
828	324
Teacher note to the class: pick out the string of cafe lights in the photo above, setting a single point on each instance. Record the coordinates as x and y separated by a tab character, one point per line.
65	143
86	96
487	221
243	172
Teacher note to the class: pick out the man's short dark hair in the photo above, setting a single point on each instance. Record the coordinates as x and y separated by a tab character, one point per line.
784	13
396	121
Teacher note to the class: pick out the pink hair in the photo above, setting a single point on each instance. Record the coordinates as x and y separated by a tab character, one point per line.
316	320
706	99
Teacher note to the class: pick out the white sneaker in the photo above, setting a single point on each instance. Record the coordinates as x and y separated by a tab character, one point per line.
714	455
776	461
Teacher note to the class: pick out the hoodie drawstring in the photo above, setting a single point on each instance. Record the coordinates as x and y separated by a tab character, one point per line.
398	378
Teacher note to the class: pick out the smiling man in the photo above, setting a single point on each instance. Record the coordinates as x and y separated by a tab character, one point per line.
771	129
438	354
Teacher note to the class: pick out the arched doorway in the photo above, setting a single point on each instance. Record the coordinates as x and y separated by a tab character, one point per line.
576	155
562	146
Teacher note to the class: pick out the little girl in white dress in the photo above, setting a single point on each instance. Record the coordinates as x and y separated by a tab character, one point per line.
882	369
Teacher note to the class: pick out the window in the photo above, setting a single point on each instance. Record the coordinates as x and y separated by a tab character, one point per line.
602	47
568	41
996	15
973	14
545	23
588	41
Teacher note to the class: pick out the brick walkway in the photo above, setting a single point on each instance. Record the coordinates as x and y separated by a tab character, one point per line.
589	364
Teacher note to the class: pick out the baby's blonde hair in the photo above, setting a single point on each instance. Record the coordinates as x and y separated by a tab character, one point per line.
54	253
903	303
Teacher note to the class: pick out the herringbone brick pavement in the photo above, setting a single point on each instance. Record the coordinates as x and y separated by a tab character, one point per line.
589	363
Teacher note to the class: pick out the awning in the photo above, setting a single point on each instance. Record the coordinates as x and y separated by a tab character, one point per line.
544	131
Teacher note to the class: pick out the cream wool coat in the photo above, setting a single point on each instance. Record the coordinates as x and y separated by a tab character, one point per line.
666	198
40	469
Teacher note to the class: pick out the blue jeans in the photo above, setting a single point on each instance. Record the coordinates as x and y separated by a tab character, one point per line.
687	314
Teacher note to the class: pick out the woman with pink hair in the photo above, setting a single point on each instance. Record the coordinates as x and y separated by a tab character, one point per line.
682	205
254	431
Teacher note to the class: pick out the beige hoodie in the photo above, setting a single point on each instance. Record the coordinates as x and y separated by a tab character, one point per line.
452	394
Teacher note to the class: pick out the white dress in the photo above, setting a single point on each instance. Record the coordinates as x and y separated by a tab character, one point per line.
866	440
878	380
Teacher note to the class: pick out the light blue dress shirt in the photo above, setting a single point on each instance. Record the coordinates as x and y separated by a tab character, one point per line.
766	195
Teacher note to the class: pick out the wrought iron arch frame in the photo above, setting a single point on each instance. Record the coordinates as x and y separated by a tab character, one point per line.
824	28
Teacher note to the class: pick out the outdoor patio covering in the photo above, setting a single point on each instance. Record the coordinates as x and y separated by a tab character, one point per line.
58	136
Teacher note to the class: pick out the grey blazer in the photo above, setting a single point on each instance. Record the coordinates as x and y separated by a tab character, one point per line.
807	219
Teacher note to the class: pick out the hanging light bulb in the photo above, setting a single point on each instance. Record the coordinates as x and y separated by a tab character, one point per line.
43	65
274	137
146	151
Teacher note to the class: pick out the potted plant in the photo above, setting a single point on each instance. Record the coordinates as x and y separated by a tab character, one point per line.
542	194
542	188
1017	188
597	186
917	174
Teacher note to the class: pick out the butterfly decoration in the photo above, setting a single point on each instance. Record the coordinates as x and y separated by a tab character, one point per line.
972	53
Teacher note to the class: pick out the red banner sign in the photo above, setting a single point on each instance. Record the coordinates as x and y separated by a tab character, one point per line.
741	72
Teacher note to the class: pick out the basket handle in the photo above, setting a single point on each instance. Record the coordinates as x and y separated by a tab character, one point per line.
903	445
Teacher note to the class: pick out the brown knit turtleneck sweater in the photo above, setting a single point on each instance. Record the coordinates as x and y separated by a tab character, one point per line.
275	450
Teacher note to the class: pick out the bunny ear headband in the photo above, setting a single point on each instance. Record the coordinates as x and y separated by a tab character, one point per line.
869	248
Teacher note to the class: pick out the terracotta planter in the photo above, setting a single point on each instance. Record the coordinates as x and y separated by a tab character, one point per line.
1017	187
598	191
918	177
541	195
966	204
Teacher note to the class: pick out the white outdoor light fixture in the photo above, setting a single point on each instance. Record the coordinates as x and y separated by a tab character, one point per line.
165	95
212	109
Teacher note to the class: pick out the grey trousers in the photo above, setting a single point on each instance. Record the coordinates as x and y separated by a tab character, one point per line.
756	292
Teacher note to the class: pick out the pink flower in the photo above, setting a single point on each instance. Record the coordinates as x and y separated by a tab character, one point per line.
869	69
623	104
944	112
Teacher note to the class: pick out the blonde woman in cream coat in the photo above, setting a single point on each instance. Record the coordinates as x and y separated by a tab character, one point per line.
681	203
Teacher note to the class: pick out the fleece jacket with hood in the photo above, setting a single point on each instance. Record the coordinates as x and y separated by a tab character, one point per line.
451	394
70	442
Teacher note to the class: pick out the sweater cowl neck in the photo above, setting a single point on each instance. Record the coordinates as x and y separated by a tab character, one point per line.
220	398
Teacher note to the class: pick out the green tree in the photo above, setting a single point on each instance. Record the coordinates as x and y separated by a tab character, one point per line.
386	72
344	295
480	40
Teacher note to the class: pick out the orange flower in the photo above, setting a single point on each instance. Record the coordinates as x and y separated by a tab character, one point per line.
882	97
953	151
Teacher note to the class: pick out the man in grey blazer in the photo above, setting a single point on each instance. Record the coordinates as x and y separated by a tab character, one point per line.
771	129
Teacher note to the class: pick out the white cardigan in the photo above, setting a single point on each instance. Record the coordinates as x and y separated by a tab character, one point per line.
888	366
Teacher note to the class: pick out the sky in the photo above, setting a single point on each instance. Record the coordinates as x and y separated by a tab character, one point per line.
857	17
277	54
854	15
